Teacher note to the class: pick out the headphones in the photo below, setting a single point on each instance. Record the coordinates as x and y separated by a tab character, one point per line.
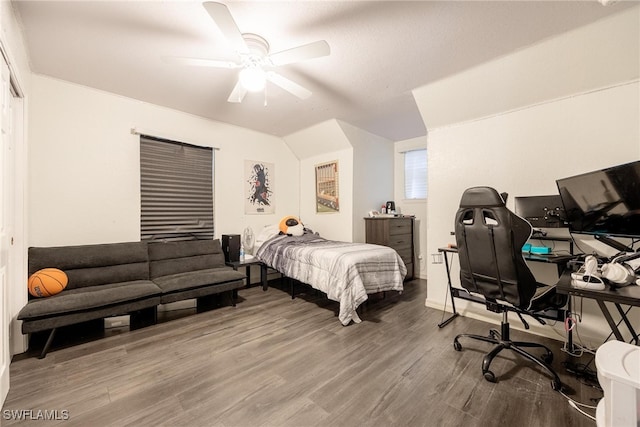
620	272
587	277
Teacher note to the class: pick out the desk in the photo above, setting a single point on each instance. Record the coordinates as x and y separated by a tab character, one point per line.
568	240
626	295
559	260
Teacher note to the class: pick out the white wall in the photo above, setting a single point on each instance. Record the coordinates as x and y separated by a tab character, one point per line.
578	61
526	147
84	165
412	207
366	176
321	143
318	139
372	175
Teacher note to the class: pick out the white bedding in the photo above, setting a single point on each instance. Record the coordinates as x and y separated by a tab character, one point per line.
346	272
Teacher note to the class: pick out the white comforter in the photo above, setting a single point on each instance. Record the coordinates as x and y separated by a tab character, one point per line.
346	272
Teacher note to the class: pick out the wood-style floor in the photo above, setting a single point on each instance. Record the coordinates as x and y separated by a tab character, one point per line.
275	361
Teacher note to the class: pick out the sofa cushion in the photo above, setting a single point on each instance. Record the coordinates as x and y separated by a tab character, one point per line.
194	279
169	258
92	265
75	300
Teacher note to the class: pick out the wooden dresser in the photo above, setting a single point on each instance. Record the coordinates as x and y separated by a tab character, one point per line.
395	232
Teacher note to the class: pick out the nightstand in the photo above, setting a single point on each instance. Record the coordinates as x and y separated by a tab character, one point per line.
247	263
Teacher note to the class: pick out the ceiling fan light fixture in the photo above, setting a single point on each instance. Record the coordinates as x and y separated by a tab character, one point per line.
253	78
254	57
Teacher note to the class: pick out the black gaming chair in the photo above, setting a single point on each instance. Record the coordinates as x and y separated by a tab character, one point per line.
490	238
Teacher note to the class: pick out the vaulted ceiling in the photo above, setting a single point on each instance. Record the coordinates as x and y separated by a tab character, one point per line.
380	51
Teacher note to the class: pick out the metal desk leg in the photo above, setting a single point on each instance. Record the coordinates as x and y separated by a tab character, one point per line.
612	324
624	317
453	304
569	325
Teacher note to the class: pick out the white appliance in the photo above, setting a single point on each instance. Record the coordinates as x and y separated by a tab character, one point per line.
618	365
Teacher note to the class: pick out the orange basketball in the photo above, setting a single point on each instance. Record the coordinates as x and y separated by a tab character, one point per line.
47	282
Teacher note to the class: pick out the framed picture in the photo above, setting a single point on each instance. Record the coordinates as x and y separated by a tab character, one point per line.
258	187
327	195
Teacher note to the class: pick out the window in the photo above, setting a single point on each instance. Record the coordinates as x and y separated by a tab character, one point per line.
176	190
415	174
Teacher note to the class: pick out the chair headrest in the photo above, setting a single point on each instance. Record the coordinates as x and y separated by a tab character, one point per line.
481	197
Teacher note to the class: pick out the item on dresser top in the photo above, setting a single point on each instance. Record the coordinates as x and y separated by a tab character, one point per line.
391	207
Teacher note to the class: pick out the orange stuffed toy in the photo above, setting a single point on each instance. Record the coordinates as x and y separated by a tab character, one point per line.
292	226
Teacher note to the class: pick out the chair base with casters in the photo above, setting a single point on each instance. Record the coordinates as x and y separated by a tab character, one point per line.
502	341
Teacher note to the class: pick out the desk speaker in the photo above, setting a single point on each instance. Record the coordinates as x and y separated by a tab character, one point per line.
231	247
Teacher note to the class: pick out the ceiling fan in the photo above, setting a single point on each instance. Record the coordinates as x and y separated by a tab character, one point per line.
255	61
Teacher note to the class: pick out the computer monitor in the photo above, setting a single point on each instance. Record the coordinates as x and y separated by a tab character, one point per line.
542	211
604	202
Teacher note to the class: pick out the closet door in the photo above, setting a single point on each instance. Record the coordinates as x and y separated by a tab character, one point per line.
7	175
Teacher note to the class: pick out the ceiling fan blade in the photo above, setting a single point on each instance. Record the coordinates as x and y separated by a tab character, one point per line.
223	19
301	53
200	62
237	94
288	85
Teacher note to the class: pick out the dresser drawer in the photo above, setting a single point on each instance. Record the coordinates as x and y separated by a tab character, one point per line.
405	254
399	226
400	241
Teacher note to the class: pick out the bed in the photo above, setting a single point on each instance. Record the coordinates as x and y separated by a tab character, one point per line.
345	272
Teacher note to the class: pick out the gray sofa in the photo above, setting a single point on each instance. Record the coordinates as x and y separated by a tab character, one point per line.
192	269
124	278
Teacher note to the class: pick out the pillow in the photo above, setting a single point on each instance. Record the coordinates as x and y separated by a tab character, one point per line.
267	232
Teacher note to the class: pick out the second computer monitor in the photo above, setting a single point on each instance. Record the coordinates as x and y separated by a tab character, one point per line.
542	211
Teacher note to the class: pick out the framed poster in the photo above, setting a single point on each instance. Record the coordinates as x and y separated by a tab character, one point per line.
327	196
258	188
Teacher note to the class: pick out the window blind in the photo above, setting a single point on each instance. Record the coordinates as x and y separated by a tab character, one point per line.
176	190
415	174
